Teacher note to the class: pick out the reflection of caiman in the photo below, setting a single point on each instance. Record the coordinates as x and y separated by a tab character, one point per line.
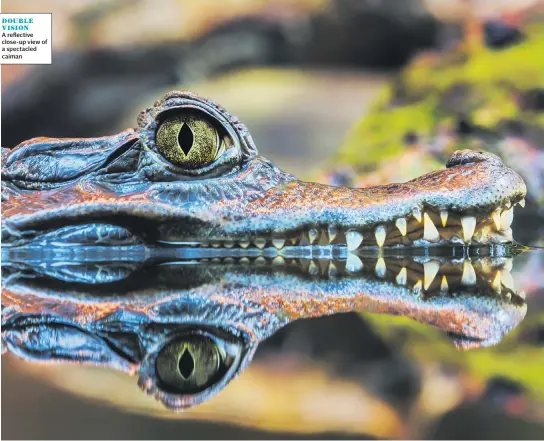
190	175
190	326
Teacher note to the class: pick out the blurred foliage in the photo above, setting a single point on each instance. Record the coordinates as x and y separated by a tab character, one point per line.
514	358
432	91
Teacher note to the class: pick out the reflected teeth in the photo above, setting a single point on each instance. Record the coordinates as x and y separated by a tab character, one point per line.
381	268
278	243
353	239
444	217
259	243
278	260
312	235
313	269
353	264
229	244
430	232
244	243
497	284
400	223
496	217
332	232
380	234
469	276
402	276
333	271
506	218
417	214
444	284
507	280
417	287
430	270
469	225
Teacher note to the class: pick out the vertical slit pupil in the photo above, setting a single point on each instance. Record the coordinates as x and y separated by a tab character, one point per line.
185	138
186	364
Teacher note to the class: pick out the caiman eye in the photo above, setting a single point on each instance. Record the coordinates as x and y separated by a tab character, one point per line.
190	365
191	140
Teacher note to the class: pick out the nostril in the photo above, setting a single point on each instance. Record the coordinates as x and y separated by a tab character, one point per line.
461	157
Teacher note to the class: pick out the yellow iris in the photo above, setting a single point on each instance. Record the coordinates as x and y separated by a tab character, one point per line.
189	141
190	365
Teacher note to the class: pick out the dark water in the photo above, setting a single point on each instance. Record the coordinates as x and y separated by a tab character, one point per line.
320	335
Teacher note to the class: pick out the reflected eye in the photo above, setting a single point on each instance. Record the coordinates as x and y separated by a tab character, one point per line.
190	140
191	364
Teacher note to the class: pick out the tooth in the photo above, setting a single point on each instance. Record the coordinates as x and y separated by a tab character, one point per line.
469	276
522	203
496	284
332	232
380	234
312	268
312	235
244	243
400	223
278	260
507	280
260	260
333	271
417	214
259	243
417	287
353	264
444	217
205	244
469	225
430	232
216	244
430	269
293	241
402	276
444	284
506	218
244	260
353	239
381	268
496	216
229	244
278	243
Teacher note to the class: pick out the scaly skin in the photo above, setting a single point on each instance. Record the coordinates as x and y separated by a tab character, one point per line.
120	190
122	314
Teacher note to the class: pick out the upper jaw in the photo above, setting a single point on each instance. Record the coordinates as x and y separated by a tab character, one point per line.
468	203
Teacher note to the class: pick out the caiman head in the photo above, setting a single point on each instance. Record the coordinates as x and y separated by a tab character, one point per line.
190	175
189	327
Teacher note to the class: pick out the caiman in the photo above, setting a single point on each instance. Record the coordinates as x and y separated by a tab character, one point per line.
189	326
190	176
